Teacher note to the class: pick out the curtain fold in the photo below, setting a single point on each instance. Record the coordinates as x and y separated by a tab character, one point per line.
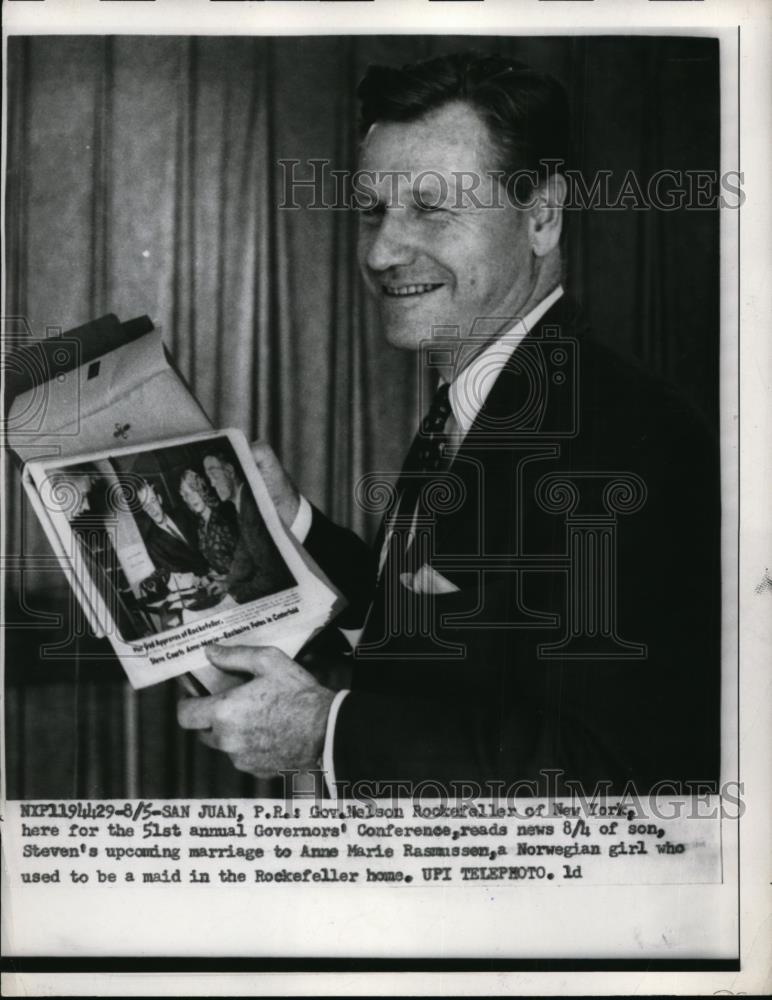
146	175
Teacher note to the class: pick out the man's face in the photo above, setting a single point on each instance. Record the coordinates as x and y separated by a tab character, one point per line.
83	486
74	494
448	265
220	476
151	504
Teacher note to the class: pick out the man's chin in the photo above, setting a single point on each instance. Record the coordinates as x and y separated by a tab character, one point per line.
403	338
407	336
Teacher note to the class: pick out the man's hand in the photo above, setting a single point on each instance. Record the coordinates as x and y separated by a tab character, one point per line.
216	583
275	722
280	487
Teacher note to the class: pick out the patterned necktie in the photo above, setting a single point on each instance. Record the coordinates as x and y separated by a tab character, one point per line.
426	450
424	458
389	615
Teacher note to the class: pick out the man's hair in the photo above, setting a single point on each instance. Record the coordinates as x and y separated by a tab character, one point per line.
145	487
67	486
79	475
526	111
224	459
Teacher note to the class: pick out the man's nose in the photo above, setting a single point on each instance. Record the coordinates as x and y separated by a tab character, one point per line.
392	245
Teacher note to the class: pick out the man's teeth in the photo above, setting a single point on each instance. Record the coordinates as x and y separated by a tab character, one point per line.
408	289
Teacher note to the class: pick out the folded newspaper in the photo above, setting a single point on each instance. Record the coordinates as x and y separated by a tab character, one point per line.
169	544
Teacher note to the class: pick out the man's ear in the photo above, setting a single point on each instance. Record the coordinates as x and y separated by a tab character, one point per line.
546	216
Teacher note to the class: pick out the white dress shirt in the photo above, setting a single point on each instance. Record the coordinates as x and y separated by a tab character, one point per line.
171	528
468	392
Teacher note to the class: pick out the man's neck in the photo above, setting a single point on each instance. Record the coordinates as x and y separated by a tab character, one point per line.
473	346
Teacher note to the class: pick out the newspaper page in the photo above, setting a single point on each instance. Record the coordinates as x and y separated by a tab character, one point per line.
484	285
82	397
163	588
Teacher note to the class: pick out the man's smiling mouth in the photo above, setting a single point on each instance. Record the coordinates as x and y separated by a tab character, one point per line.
401	291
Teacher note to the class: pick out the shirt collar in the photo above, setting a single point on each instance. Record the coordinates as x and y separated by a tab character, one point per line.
170	527
470	388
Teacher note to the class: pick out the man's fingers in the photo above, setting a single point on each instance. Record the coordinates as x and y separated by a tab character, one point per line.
232	743
247	765
263	453
208	738
196	713
256	660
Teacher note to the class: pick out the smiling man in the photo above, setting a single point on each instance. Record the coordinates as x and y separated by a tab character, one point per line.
169	547
542	603
436	250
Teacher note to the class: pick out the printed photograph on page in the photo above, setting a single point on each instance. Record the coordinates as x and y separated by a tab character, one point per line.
467	302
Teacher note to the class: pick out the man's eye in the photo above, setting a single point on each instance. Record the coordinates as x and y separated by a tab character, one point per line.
370	213
428	208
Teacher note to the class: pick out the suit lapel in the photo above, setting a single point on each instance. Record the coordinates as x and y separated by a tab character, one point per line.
522	399
522	411
517	414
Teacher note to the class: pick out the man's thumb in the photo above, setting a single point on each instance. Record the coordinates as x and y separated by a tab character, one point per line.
255	660
267	460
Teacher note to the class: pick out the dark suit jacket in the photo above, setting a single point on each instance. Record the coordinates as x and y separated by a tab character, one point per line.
499	689
257	568
171	554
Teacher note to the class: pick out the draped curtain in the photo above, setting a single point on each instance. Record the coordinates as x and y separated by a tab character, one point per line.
148	175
